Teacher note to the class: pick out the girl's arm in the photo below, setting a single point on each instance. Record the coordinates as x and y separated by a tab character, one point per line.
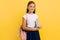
24	26
37	24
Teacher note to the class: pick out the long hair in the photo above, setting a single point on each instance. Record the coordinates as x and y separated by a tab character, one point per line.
29	4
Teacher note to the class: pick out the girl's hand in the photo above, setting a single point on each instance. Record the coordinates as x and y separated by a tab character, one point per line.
36	29
40	27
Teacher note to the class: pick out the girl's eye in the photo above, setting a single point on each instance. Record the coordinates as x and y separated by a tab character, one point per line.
30	6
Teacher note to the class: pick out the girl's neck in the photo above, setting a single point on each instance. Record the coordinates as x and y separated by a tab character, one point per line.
30	12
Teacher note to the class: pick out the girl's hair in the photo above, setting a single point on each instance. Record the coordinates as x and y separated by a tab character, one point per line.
29	4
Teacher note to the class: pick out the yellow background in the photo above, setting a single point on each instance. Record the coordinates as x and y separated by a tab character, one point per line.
11	12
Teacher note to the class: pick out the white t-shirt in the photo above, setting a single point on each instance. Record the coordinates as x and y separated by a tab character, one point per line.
31	18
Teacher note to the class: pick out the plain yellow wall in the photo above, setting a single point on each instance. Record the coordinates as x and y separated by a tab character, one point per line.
11	12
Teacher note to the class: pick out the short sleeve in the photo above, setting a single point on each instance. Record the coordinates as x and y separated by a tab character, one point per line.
36	17
24	16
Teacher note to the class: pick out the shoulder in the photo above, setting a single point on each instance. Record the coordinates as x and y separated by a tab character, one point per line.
24	16
36	15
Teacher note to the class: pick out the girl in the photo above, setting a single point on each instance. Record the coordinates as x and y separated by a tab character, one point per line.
28	23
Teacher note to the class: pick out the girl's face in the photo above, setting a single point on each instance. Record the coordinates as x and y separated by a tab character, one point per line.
31	7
